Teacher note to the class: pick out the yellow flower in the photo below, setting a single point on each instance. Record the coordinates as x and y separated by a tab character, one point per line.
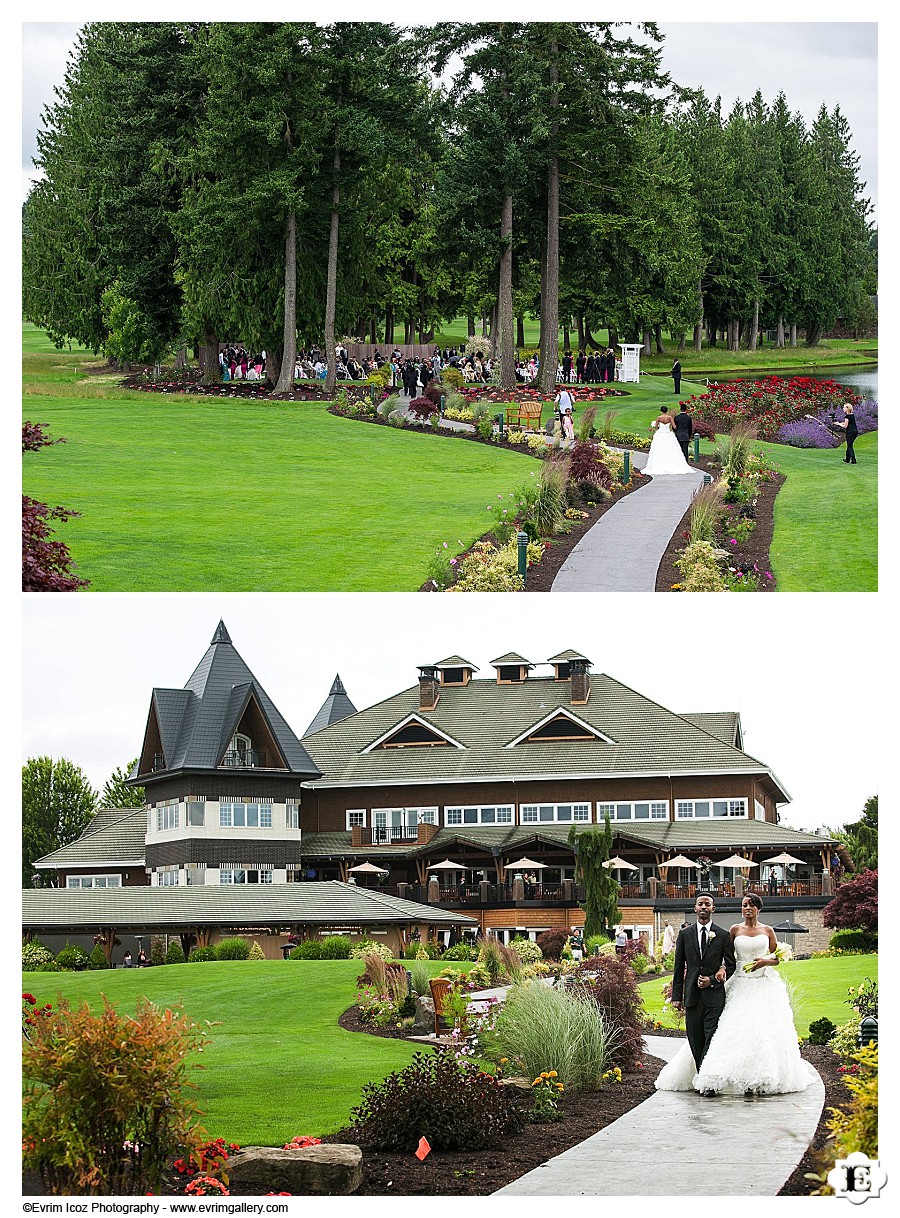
503	1061
552	1074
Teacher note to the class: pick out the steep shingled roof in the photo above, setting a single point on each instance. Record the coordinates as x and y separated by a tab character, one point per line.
486	717
336	706
114	836
724	725
196	723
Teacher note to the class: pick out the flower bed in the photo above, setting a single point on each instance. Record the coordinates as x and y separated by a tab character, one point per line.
820	432
770	403
527	393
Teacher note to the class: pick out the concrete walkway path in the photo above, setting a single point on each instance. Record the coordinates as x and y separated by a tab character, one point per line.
665	1146
623	550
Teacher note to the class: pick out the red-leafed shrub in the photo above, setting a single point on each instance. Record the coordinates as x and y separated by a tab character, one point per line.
434	391
423	408
552	942
611	983
855	904
586	465
46	564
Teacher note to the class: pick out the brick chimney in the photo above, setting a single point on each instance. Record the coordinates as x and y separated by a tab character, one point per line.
429	688
579	671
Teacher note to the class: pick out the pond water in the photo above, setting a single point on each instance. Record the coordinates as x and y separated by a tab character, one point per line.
863	380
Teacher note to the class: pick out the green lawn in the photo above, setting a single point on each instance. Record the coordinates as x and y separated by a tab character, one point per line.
192	493
818	989
278	1064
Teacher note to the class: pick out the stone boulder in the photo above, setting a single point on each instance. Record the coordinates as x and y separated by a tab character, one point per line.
423	1020
332	1170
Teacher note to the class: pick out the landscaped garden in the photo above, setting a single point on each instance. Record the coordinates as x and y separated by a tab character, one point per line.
320	503
262	1053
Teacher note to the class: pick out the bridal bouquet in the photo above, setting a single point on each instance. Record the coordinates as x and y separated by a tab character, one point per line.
782	952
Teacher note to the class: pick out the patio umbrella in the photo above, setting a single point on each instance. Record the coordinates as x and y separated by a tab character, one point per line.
783	858
678	861
447	865
617	862
791	928
524	865
735	860
369	869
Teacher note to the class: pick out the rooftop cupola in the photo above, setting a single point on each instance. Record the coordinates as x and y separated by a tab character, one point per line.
455	671
511	669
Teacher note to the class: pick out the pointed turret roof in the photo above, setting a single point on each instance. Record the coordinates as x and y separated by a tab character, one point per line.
192	727
336	706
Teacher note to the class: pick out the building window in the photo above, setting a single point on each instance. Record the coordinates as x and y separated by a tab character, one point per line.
696	809
168	878
479	816
292	815
759	809
93	881
641	810
245	815
530	814
400	824
195	812
356	817
244	875
453	676
166	816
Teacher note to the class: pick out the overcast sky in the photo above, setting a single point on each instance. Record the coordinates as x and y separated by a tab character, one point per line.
91	661
812	62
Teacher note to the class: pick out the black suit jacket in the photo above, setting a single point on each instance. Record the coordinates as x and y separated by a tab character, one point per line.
689	966
684	428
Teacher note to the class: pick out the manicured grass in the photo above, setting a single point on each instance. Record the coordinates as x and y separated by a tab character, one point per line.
278	1064
191	493
818	989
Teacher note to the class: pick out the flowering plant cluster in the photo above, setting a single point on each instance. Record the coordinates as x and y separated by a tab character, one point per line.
527	393
206	1186
864	998
615	1075
208	1158
31	1012
769	403
300	1142
546	1091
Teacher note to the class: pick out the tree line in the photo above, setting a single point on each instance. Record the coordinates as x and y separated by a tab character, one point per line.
258	180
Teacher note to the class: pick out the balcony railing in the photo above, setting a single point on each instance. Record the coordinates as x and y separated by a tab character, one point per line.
384	835
244	759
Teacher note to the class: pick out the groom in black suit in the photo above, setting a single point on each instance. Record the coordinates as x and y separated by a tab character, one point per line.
704	960
684	429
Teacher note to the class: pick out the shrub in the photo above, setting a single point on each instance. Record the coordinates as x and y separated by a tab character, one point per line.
586	465
461	951
527	950
610	982
490	956
369	947
309	949
336	947
854	905
35	954
542	1028
821	1031
587	422
552	942
100	1122
256	952
546	511
434	391
864	998
199	955
421	975
97	959
854	941
705	508
734	448
452	377
595	941
855	1130
484	570
845	1040
700	566
421	408
72	959
453	1104
388	405
157	951
233	949
46	564
175	953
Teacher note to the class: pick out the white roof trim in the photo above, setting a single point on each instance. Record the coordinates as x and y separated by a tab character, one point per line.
91	863
553	714
412	718
586	775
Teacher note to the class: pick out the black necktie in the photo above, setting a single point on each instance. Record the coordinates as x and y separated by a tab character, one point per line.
702	940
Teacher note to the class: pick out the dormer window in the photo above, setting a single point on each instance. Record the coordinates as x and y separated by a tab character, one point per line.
453	676
455	670
563	671
560	725
415	735
510	672
511	669
241	754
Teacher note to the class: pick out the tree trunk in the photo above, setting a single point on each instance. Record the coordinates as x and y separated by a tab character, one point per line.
331	287
520	331
470	325
698	328
657	334
813	334
754	327
648	341
273	366
682	340
549	360
613	334
793	334
285	386
567	342
373	332
733	334
589	338
579	322
389	325
208	359
507	351
779	332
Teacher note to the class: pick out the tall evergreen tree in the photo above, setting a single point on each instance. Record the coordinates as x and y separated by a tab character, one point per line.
117	794
592	849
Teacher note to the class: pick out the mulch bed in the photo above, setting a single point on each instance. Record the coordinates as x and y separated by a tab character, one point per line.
754	550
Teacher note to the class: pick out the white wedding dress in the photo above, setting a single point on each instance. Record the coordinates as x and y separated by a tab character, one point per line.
755	1044
665	456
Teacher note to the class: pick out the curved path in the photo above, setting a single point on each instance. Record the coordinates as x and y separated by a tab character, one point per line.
641	1155
623	550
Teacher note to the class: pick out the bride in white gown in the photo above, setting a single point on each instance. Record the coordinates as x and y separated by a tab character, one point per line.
666	456
754	1048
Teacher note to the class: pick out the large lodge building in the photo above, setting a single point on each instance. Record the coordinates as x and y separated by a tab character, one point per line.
447	807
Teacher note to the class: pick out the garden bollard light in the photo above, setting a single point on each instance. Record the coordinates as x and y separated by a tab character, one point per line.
443	403
868	1031
707	479
372	393
522	539
696	448
626	467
